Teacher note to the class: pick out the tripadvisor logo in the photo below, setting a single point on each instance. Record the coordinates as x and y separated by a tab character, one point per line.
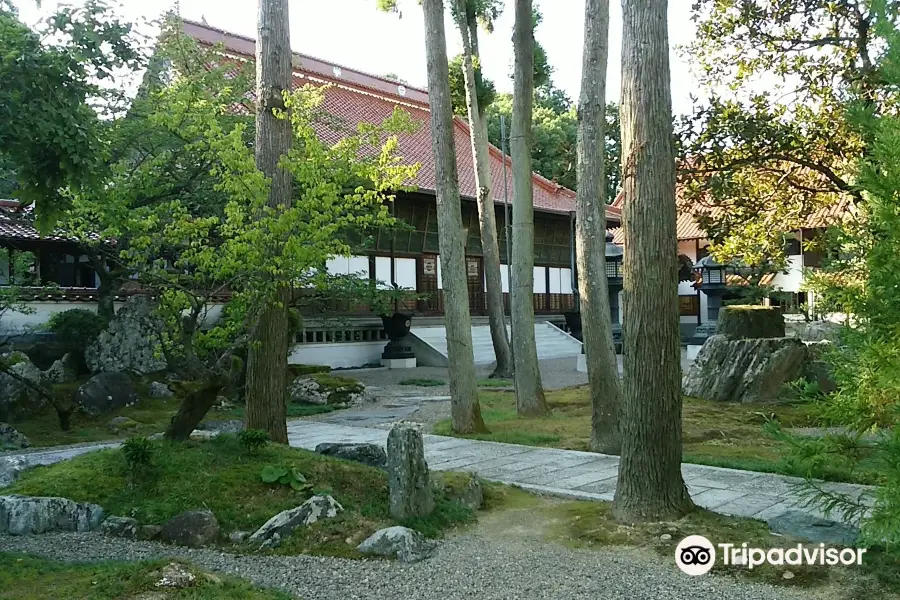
696	555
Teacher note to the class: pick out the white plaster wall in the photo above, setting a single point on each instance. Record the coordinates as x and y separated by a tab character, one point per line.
405	271
793	279
337	356
14	322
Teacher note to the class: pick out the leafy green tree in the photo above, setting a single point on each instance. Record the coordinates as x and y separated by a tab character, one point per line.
191	244
51	138
772	146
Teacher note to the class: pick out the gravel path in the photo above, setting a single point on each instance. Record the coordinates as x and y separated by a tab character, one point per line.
464	567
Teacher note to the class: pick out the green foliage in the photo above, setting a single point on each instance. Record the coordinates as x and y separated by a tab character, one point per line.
761	163
253	440
484	88
288	476
49	79
138	453
77	328
866	366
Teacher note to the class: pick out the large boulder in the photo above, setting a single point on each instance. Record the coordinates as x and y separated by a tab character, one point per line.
194	529
750	322
367	454
402	543
815	331
158	389
324	388
745	370
105	392
409	482
17	399
284	523
130	342
26	515
62	370
10	439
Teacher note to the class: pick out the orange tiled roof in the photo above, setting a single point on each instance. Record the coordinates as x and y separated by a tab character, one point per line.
358	97
687	228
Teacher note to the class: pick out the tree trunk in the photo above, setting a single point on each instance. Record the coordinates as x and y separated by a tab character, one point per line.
106	292
192	410
486	216
267	354
530	398
590	234
650	485
465	410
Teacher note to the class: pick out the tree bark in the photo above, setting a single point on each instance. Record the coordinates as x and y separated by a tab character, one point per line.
192	410
530	398
106	292
590	234
486	216
650	485
465	410
266	387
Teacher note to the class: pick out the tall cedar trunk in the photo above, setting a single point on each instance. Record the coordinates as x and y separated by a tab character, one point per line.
590	234
650	485
266	386
465	410
529	390
487	218
106	291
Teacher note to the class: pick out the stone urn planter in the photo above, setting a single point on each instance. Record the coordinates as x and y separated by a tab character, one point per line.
398	353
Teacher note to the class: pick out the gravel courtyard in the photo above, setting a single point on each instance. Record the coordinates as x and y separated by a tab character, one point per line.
465	566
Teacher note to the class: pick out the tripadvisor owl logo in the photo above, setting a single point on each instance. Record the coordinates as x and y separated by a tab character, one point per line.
695	555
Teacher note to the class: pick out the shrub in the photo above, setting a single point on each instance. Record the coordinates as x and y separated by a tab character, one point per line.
138	453
252	440
298	370
76	328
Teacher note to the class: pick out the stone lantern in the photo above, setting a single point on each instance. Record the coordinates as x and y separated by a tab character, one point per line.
714	283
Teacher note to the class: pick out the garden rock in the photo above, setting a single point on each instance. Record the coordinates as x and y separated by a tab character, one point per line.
746	370
117	425
18	401
402	543
324	388
157	389
122	527
105	392
149	532
815	331
367	454
61	371
130	342
10	439
26	515
10	468
408	478
238	537
284	523
463	488
194	529
808	527
176	576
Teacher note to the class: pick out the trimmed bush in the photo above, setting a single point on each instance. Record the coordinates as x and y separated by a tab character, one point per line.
745	322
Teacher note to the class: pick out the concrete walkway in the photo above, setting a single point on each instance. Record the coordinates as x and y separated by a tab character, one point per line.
584	475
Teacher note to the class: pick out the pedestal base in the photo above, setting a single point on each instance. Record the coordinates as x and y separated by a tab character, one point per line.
399	363
581	364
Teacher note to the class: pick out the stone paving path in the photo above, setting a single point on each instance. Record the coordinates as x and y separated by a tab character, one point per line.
584	475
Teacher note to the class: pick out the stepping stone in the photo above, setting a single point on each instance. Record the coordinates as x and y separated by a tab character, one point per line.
808	527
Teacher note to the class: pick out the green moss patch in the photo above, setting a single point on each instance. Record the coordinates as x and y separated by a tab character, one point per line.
715	433
25	577
220	475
